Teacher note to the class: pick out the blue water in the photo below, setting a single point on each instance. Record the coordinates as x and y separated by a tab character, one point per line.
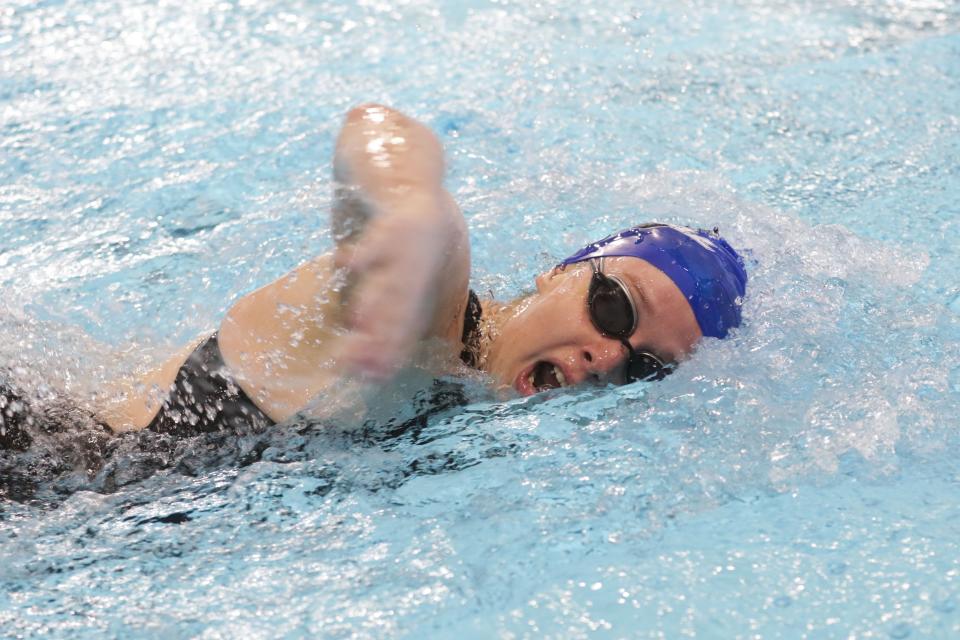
799	480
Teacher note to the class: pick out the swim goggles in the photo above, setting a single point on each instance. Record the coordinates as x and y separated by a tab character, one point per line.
614	314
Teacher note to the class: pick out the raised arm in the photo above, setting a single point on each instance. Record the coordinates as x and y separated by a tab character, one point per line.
383	158
403	244
401	237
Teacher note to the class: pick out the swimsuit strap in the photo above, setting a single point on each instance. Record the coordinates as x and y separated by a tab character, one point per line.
471	330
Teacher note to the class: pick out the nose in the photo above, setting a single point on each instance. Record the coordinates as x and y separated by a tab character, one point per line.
603	358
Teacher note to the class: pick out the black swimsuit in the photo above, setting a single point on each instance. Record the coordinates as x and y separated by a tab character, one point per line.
471	330
204	397
15	416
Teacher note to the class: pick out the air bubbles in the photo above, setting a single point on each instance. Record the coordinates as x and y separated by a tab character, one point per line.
946	606
954	379
210	127
782	602
954	303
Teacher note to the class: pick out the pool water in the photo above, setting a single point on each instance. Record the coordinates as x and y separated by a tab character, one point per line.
160	159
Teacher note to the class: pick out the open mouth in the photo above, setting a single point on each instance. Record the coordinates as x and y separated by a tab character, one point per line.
545	376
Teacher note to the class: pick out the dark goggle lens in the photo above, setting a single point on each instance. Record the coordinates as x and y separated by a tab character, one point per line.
645	366
610	308
611	311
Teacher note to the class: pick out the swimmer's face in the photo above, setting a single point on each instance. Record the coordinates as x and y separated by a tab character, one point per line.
549	339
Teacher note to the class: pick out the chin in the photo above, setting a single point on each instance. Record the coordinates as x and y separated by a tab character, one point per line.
503	383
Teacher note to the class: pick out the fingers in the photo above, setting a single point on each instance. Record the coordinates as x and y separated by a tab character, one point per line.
374	247
355	257
393	267
363	357
374	353
387	317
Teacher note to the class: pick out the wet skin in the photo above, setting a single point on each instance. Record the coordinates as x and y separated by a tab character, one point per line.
553	327
296	340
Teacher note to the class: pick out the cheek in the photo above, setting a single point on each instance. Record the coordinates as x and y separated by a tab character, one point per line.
541	323
682	332
516	338
541	281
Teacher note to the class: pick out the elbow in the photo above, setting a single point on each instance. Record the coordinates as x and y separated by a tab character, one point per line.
375	132
372	113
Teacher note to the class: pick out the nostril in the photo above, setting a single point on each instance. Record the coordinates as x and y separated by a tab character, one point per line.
587	356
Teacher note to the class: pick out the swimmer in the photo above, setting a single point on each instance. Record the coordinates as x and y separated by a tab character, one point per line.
625	308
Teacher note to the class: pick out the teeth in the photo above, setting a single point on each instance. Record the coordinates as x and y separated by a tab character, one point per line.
557	372
530	378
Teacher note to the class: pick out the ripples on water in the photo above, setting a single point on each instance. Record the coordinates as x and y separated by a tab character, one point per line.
160	160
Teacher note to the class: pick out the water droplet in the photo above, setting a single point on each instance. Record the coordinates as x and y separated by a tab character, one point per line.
900	631
955	379
946	606
782	601
954	304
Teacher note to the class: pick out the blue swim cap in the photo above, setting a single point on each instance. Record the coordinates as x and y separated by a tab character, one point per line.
706	269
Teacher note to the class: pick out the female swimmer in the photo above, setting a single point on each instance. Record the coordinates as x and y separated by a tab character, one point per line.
625	308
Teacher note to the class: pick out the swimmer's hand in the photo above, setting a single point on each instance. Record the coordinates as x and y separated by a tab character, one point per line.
396	266
408	265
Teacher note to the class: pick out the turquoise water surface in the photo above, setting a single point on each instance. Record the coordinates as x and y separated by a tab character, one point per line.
800	480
